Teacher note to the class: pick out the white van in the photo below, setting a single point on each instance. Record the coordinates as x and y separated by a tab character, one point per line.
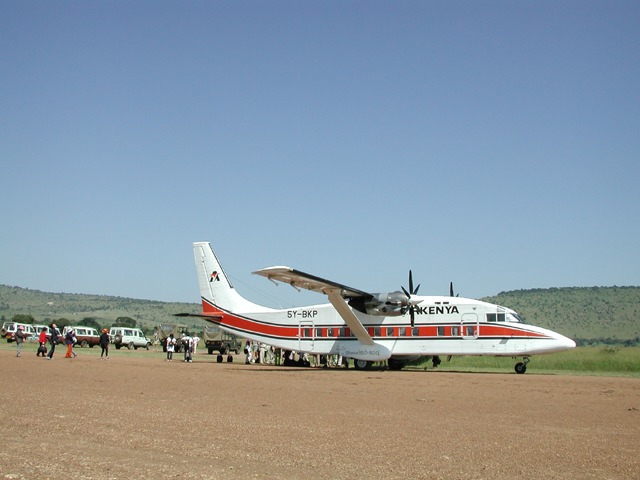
85	336
39	328
128	337
9	330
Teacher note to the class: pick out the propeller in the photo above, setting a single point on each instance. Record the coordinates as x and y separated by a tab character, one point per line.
451	290
411	291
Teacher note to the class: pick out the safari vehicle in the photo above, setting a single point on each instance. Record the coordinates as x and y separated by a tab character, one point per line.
86	336
9	330
223	342
132	338
39	328
166	329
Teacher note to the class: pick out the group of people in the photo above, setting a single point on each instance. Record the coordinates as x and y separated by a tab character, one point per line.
188	344
256	352
55	338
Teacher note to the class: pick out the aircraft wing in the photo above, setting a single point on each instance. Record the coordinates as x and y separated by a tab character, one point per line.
198	315
298	279
335	291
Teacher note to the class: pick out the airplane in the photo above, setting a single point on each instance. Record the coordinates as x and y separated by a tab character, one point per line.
397	327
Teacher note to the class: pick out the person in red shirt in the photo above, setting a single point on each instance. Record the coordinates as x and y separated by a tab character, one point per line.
42	339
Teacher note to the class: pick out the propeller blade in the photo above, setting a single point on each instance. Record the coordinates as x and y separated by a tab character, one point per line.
411	302
451	289
410	282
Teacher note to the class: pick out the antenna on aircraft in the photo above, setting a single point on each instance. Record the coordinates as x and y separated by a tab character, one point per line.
413	292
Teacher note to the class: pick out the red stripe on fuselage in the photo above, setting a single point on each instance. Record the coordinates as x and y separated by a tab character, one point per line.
249	325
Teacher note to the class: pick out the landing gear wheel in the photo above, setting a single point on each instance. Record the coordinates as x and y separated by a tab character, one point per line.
362	364
520	367
395	364
219	358
229	358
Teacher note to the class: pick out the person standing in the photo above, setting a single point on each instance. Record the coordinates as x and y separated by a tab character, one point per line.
187	345
247	352
19	338
53	340
171	346
68	340
195	340
42	340
104	344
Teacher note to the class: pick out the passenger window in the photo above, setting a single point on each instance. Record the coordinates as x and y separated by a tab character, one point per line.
455	332
441	331
416	331
376	332
470	331
390	332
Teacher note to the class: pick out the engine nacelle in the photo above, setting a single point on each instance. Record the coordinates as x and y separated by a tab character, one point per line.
386	304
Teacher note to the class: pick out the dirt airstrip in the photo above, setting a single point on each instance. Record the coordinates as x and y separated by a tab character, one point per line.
138	416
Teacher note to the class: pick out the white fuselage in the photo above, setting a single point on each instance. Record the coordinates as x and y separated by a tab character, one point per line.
443	326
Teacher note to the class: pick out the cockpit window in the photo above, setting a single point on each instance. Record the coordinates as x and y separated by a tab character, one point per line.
495	317
505	317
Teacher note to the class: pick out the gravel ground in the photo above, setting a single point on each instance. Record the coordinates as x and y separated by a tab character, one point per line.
138	416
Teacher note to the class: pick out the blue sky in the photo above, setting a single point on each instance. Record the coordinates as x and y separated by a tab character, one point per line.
494	144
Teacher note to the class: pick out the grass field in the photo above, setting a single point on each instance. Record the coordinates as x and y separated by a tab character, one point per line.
606	360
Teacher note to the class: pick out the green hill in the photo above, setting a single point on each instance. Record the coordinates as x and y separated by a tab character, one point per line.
609	314
580	313
46	307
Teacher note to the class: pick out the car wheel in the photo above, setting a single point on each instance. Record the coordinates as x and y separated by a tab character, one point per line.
130	346
84	344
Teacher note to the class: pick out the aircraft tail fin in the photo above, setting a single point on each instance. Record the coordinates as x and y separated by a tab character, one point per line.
215	287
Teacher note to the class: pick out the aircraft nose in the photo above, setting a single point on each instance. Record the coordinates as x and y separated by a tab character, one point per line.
569	344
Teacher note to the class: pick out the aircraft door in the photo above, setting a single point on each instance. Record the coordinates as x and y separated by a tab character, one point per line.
306	335
470	326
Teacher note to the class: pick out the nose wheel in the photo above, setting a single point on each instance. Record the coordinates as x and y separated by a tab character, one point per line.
521	367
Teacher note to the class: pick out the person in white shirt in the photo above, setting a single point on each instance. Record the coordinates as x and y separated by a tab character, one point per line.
171	347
